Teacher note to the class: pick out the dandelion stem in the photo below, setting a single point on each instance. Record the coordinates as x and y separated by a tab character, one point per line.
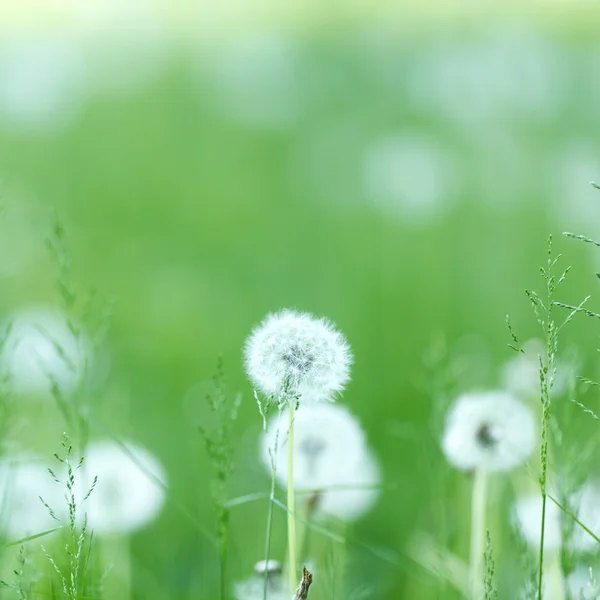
272	452
478	502
291	502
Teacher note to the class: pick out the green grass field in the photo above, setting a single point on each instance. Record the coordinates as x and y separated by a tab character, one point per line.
403	186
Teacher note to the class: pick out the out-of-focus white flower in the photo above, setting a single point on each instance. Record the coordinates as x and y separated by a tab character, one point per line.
586	504
528	518
570	171
127	496
258	82
42	83
521	374
583	585
271	566
253	588
489	430
481	78
332	462
295	354
41	348
22	481
409	176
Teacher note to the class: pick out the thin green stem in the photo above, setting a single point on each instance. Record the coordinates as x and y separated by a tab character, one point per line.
291	521
478	502
273	453
541	556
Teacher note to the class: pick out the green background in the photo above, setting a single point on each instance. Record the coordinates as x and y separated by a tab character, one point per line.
198	221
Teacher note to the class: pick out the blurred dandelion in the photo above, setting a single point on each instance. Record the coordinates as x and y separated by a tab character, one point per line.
333	466
257	80
528	519
293	354
487	431
521	374
253	588
582	584
42	83
41	349
492	431
410	176
23	480
586	504
128	494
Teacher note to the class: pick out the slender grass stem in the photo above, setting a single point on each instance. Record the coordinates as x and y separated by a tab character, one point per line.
291	502
541	556
478	502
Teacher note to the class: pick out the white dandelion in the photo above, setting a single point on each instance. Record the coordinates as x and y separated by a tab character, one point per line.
528	519
42	83
410	176
333	467
586	504
295	354
129	492
521	374
40	348
582	584
491	431
23	480
253	589
258	80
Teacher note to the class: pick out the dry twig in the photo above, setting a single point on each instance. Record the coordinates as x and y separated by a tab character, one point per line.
305	583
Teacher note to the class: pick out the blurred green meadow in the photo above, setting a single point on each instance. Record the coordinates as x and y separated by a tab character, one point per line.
402	183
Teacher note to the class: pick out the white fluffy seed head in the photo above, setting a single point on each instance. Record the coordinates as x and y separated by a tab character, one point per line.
271	566
22	481
586	505
253	589
521	374
127	496
295	354
583	584
528	519
333	467
489	430
41	347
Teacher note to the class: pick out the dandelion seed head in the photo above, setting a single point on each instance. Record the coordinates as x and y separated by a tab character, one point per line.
253	588
292	353
585	502
333	466
528	520
126	497
521	374
22	481
270	566
490	430
582	585
40	348
42	83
